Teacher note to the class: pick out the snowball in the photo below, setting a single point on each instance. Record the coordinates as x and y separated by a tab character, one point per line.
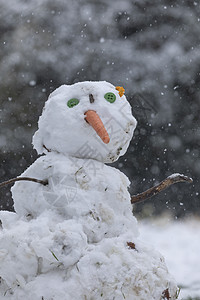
66	131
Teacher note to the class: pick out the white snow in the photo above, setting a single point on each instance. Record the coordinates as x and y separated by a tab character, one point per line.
76	238
179	242
64	130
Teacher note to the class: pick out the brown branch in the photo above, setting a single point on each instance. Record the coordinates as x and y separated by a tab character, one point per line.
174	178
46	148
44	182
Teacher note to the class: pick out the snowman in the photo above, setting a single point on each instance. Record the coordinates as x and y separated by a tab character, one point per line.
75	237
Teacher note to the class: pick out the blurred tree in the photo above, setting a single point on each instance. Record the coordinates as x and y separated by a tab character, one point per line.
151	48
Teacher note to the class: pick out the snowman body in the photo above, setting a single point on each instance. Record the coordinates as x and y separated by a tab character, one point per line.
76	237
89	191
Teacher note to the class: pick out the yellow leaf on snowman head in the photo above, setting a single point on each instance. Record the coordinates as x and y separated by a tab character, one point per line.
121	90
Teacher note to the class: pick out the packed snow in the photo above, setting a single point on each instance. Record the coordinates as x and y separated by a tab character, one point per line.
64	130
76	237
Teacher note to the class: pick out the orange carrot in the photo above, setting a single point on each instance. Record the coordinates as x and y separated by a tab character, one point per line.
94	120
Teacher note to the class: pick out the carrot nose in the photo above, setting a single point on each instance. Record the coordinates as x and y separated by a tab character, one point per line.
94	120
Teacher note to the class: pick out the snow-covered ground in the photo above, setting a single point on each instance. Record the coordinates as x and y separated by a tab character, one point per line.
179	242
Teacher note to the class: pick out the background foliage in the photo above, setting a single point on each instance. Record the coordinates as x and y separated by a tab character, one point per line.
152	48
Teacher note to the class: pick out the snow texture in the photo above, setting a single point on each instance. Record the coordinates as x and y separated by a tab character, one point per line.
64	130
179	243
76	238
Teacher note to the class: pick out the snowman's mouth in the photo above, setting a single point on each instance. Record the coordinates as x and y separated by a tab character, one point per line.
94	120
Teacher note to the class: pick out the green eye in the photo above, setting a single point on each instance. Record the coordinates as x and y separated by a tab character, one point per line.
72	102
110	97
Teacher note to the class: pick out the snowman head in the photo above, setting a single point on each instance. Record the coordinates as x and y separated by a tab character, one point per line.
86	120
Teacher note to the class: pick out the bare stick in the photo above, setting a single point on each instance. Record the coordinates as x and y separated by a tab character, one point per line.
44	182
174	178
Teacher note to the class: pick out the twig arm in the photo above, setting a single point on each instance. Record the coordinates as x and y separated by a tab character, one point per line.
174	178
44	182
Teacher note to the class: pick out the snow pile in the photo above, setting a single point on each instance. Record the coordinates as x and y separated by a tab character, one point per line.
76	237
